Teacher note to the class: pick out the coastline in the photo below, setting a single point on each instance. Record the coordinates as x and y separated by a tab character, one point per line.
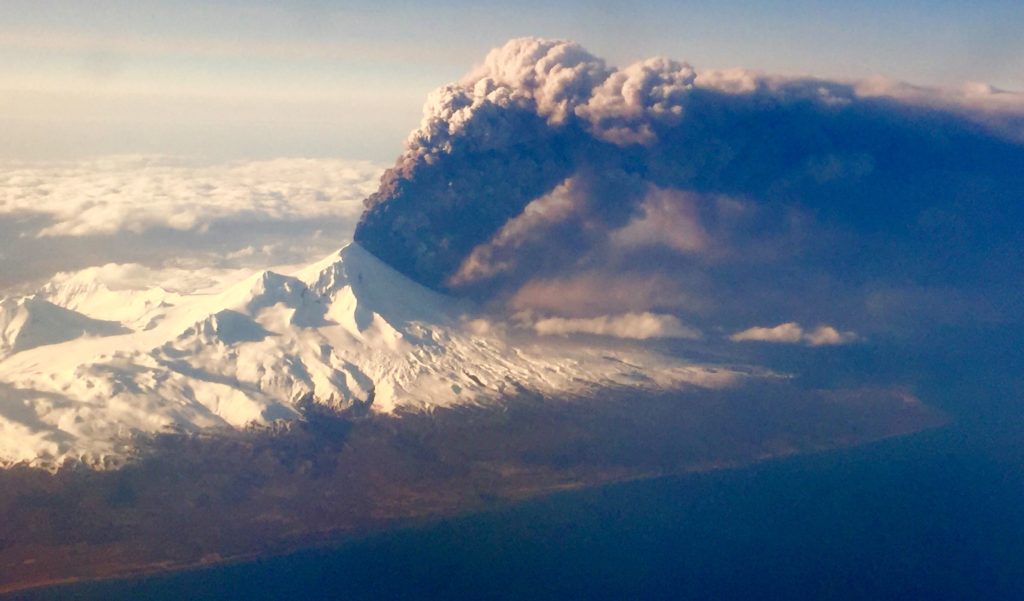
339	539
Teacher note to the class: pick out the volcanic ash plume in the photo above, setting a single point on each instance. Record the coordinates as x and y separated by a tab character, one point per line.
545	165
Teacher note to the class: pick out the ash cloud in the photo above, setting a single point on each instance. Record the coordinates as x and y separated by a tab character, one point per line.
724	194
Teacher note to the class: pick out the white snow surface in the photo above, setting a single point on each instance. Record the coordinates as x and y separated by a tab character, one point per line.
84	367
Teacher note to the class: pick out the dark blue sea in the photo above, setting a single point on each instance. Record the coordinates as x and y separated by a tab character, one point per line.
938	515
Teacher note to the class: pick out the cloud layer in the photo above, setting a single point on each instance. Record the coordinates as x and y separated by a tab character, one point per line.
794	333
637	326
135	194
63	216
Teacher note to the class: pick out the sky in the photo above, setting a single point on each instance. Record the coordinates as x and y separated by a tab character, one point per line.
234	80
605	193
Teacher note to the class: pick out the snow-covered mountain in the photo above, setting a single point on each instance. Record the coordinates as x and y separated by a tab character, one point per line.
32	322
78	380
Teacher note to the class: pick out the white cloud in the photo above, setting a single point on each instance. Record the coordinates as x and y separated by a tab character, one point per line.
786	332
637	326
135	194
793	333
160	211
827	335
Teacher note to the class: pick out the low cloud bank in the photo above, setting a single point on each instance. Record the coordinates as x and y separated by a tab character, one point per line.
159	210
135	194
793	333
636	326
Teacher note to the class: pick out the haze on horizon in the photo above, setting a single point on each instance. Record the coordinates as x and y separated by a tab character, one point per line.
242	80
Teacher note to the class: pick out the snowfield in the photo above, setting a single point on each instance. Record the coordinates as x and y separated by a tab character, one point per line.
84	367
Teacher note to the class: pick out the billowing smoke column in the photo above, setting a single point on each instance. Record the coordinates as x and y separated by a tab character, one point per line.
545	169
506	134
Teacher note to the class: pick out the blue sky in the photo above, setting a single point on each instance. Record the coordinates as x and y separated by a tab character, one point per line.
228	80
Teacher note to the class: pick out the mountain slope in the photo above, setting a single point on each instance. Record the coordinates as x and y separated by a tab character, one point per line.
33	322
345	331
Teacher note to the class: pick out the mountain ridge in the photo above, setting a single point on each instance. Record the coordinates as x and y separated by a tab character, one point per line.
344	331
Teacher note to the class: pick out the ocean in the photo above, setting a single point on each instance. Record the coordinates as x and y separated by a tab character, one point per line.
937	515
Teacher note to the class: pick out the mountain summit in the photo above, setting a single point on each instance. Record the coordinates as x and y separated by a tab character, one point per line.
345	332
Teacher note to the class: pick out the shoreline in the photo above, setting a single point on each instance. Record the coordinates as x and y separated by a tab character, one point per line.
341	538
